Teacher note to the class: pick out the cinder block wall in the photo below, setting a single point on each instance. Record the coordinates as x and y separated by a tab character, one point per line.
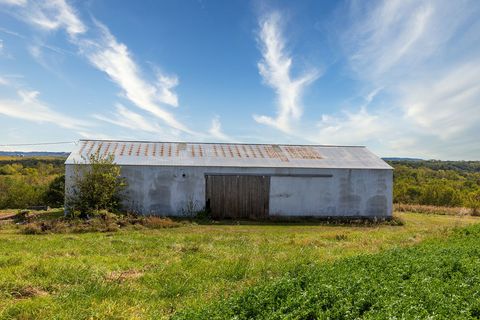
177	191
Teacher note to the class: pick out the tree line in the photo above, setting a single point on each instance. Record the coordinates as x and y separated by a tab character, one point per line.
430	183
31	182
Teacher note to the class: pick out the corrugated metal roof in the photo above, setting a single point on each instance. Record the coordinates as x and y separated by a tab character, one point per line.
228	155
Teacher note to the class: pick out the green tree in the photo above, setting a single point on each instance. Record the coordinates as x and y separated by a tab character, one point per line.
10	169
439	193
473	202
17	193
55	193
98	186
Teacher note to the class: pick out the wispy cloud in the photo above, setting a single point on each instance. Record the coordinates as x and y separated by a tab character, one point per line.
275	69
37	54
49	15
4	52
126	118
94	135
28	107
372	94
14	2
420	55
108	55
388	33
445	104
338	129
216	131
10	32
387	40
114	58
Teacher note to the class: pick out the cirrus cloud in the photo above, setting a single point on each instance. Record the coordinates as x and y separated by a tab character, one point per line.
107	54
275	69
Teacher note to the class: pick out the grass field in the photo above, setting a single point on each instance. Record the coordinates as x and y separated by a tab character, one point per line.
154	273
437	279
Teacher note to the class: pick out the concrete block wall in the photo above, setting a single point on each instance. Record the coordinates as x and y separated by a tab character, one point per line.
180	191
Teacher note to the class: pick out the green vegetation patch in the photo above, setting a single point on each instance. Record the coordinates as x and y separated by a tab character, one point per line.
437	183
152	273
28	182
437	279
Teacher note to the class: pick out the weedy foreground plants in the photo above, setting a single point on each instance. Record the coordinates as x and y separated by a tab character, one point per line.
104	221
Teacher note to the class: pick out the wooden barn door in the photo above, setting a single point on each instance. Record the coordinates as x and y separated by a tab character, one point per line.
237	197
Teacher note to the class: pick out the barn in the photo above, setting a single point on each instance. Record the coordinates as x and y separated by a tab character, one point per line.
240	181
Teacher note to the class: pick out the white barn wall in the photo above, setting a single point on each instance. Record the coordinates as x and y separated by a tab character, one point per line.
177	190
348	192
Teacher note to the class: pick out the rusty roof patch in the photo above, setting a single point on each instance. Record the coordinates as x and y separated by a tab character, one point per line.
225	154
302	153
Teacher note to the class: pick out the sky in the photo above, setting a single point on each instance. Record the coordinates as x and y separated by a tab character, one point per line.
399	76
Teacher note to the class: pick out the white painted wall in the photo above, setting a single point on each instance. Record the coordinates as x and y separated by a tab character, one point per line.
176	191
297	196
346	193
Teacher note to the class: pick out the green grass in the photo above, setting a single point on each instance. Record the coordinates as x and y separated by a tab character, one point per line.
154	273
438	279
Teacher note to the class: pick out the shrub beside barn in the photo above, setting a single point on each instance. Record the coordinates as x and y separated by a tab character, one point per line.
245	180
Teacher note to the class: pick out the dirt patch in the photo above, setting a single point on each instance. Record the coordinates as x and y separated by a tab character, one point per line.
154	222
29	292
188	248
7	215
121	276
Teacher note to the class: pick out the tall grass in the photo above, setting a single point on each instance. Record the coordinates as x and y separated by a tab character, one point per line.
417	208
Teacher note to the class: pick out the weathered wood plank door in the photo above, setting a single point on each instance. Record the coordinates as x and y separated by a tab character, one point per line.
237	196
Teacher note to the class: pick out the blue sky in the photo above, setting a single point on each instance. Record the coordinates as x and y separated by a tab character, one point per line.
400	76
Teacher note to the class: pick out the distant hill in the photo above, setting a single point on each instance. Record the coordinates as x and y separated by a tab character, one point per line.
402	159
34	154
